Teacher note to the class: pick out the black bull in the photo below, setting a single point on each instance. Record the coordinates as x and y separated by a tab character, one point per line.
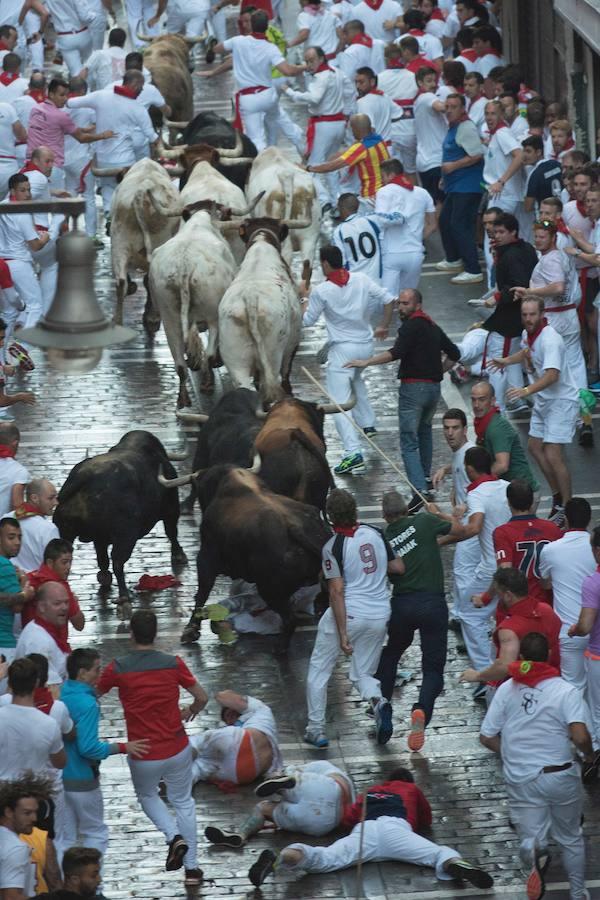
208	128
249	532
114	499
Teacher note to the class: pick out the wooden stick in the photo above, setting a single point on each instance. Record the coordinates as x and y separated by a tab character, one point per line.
366	436
363	814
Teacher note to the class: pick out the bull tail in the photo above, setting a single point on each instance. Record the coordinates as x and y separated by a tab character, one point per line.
298	435
194	349
269	382
140	214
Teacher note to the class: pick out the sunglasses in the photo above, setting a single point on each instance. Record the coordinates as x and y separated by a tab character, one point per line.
544	223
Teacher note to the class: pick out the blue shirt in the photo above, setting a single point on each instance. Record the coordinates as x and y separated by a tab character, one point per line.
85	753
463	140
9	584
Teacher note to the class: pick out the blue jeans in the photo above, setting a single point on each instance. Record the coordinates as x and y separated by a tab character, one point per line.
457	229
427	613
417	404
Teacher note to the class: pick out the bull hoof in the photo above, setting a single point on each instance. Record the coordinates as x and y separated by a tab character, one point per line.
124	608
151	324
183	398
207	387
190	633
178	559
104	578
131	286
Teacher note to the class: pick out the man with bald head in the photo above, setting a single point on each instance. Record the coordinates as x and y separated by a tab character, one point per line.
45	633
366	153
37	528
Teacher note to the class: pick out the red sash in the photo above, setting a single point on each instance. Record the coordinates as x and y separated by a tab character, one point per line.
237	122
311	127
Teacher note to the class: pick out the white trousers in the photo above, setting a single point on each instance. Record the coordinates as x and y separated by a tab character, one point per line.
84	820
572	660
506	203
567	325
367	637
8	167
138	13
475	622
551	805
472	348
73	181
255	109
383	838
401	271
46	260
98	31
75	49
329	136
176	772
107	188
190	22
466	557
60	820
406	152
314	806
281	122
36	54
340	384
29	290
217	24
593	697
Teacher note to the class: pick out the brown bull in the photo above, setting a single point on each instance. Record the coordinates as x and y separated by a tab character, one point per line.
167	58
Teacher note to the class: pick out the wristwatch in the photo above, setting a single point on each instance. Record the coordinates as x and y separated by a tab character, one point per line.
578	251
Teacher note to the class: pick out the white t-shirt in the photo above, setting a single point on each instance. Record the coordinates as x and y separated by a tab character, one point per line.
10	92
548	352
380	110
460	479
324	93
322	30
534	724
401	87
429	46
105	67
488	498
574	219
373	19
354	57
253	60
23	106
413	205
485	64
359	239
497	160
476	112
27	737
15	231
122	115
36	532
59	714
365	560
519	128
552	268
347	310
17	870
567	562
35	639
76	153
431	129
11	473
8	117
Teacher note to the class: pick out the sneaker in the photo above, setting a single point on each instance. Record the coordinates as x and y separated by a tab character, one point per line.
20	355
586	436
262	868
370	431
193	877
316	738
275	784
517	406
594	387
210	50
536	885
446	266
589	770
459	375
327	207
416	503
467	278
465	871
480	692
177	850
223	838
559	518
476	301
354	462
383	721
416	738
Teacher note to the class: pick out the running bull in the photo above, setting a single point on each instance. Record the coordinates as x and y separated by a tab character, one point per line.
208	128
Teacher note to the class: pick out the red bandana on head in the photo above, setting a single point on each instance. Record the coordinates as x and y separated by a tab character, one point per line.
346	530
7	452
531	338
481	479
404	182
481	422
339	277
530	673
363	39
124	91
8	77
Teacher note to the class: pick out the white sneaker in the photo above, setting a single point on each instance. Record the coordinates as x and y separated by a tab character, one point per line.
467	278
446	266
476	301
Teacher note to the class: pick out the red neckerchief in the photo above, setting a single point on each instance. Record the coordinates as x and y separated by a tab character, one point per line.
436	15
7	452
323	68
418	62
124	91
4	45
374	91
43	699
339	277
30	167
346	530
568	146
395	62
419	314
469	54
531	338
416	31
374	4
27	510
55	633
38	94
481	423
481	480
259	35
531	673
7	77
581	208
363	39
491	52
497	128
404	182
561	226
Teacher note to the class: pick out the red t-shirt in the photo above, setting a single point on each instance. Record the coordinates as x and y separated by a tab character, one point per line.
148	682
399	799
520	542
265	5
530	615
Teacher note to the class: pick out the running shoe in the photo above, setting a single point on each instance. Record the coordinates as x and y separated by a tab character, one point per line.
370	431
193	877
20	354
354	462
559	517
480	692
467	278
466	871
177	850
210	50
586	436
274	785
262	868
536	884
384	728
447	266
416	738
316	738
223	838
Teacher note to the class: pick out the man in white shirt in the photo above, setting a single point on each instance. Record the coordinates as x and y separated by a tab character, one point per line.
400	85
71	20
374	103
486	44
556	396
326	119
476	99
105	66
515	121
39	171
348	302
564	565
356	562
358	49
19	801
43	634
317	27
13	475
379	18
78	160
37	529
149	97
429	45
256	100
531	722
403	248
431	129
11	83
11	131
18	240
502	169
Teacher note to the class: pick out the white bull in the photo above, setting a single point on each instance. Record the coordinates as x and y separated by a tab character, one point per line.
289	194
260	315
139	225
188	277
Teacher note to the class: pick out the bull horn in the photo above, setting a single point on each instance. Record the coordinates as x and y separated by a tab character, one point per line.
237	161
296	223
230	152
195	40
109	173
256	464
169	152
335	407
191	417
174	171
177	125
250	208
177	457
178	482
144	37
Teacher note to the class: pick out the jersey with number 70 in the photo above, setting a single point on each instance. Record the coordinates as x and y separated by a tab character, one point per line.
519	542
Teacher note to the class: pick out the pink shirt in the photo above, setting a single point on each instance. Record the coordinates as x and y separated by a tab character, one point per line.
47	128
590	599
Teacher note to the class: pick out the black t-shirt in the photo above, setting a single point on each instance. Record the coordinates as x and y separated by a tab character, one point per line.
545	181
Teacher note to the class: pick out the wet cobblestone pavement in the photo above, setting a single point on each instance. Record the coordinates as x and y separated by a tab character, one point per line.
136	387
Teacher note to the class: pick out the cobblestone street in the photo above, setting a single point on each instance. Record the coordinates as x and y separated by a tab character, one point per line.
135	386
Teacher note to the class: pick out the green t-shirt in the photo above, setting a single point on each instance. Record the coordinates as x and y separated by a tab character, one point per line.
501	437
9	584
413	539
